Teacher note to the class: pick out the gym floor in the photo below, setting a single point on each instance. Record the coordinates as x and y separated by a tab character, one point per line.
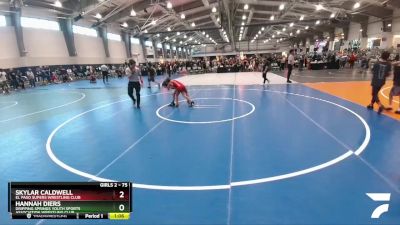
245	154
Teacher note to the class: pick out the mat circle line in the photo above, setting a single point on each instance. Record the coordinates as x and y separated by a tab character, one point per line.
211	121
48	109
340	158
14	103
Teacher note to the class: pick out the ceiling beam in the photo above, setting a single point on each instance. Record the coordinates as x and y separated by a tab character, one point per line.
248	21
125	11
206	3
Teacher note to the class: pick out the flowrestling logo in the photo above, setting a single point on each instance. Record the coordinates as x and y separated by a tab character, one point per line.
379	197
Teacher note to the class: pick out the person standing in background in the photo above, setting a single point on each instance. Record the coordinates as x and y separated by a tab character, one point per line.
380	71
265	69
104	71
151	76
31	77
135	81
282	63
290	65
3	82
395	91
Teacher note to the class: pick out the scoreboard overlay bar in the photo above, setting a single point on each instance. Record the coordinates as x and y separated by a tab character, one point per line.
70	200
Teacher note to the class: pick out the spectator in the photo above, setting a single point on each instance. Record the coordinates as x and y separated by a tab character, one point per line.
290	65
380	71
31	78
3	82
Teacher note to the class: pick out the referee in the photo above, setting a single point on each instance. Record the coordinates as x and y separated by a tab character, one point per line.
104	72
135	81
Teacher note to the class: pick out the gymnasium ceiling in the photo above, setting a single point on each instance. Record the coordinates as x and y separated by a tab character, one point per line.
222	26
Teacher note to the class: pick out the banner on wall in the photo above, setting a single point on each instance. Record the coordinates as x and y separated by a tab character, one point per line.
150	50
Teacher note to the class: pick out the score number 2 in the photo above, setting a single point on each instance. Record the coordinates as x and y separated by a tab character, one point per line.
121	206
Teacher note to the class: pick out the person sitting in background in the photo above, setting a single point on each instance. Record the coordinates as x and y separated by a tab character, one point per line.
54	78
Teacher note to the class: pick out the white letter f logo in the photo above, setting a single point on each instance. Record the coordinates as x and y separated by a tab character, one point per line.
379	197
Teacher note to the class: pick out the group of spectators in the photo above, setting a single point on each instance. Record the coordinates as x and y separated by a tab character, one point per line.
21	78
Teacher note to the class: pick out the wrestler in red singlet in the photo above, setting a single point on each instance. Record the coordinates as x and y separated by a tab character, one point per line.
179	88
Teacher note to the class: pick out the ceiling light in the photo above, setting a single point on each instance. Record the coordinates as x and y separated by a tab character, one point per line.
193	24
217	19
169	5
190	38
291	24
242	23
204	33
153	22
259	32
243	17
272	17
306	27
281	6
146	31
262	28
166	38
319	7
178	33
284	29
184	36
58	4
273	36
183	16
298	31
158	35
302	17
124	24
317	22
332	15
252	41
98	16
246	6
214	10
361	30
241	28
278	32
133	13
356	5
207	35
174	40
389	25
291	34
180	42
